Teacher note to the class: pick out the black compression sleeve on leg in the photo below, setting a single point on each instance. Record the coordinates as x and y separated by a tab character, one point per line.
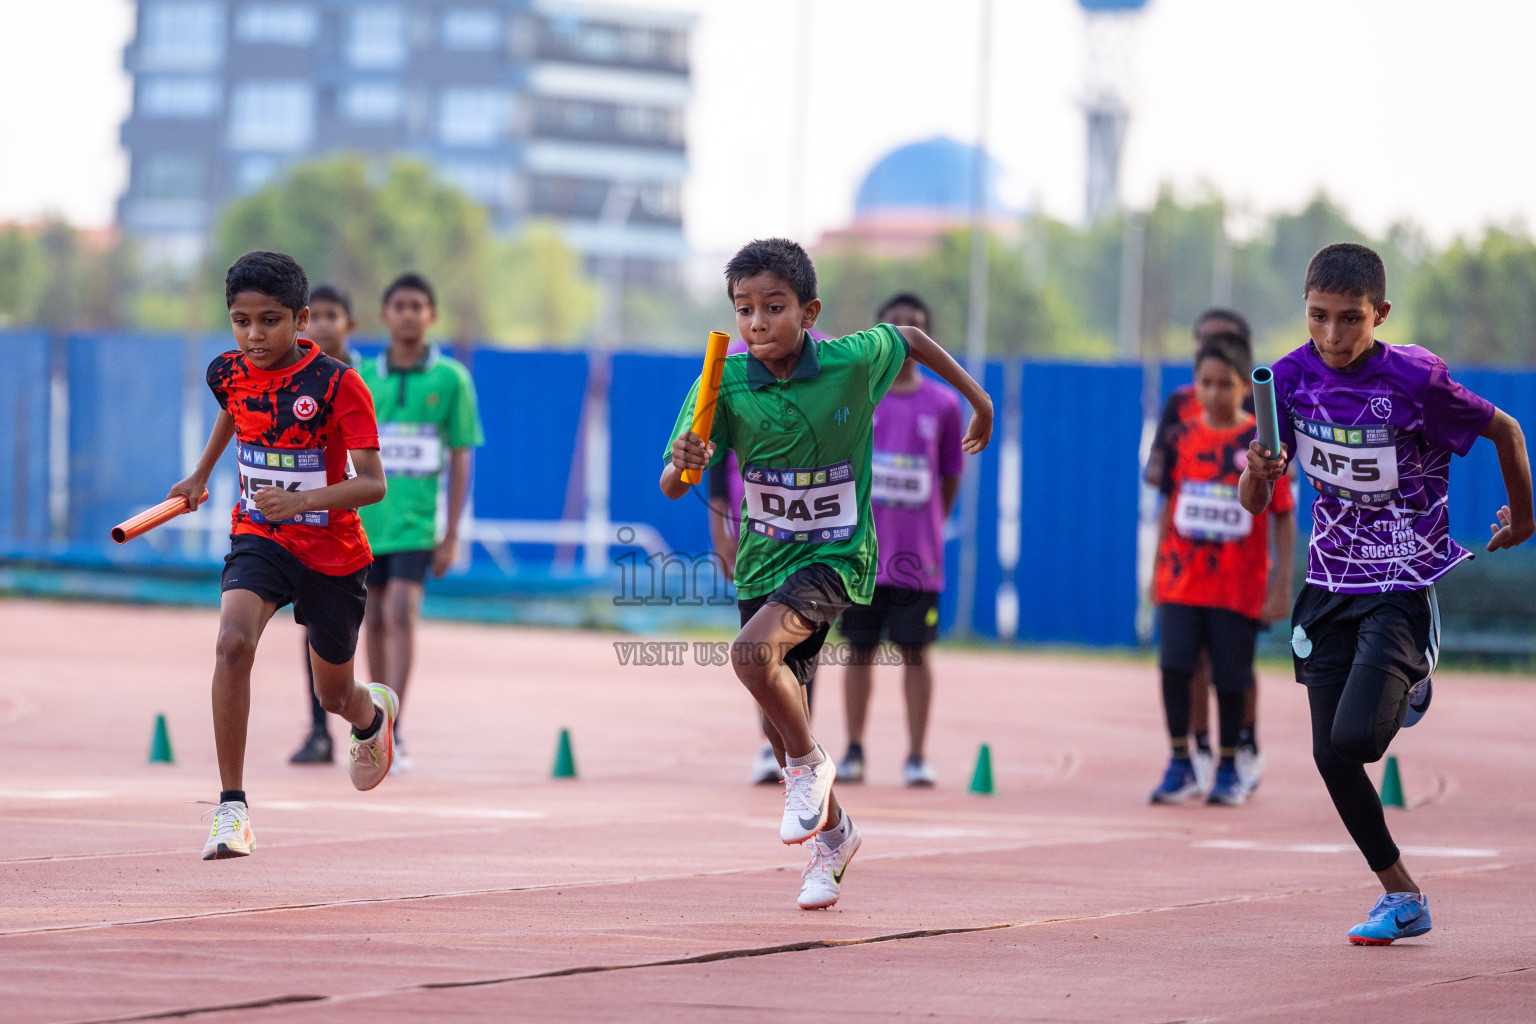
1229	709
1370	712
316	712
1353	795
1176	702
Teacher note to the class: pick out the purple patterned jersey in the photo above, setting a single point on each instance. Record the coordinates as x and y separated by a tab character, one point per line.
1376	443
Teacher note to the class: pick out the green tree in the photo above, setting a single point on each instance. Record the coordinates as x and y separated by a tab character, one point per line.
539	294
1478	303
63	278
358	227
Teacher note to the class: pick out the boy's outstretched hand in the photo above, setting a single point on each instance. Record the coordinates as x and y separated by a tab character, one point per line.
690	451
979	432
1507	533
192	489
1262	463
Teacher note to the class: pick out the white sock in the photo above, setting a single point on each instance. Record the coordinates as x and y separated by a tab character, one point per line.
816	756
832	838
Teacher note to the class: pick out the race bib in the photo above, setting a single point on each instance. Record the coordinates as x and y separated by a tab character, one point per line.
410	449
1357	464
903	480
802	505
1207	511
292	469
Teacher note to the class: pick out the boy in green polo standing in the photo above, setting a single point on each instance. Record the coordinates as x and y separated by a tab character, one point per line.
425	403
799	415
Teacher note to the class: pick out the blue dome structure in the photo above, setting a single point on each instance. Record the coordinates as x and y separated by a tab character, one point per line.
932	176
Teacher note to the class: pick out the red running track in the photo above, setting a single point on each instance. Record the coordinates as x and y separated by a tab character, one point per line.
654	887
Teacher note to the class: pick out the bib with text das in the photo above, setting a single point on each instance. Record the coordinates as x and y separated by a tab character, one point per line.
802	505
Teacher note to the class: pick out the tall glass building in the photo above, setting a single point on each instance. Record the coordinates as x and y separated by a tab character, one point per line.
572	112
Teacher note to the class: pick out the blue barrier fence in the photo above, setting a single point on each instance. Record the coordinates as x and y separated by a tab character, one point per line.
133	412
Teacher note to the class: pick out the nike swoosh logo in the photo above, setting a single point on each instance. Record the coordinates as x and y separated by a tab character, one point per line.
810	822
837	876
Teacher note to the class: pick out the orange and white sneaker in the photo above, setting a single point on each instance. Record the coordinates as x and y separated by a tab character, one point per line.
231	835
823	876
370	760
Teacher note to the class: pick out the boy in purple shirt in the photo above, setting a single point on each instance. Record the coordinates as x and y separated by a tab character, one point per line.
1374	427
916	476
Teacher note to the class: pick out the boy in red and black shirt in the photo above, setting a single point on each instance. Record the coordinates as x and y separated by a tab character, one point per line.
306	444
1213	585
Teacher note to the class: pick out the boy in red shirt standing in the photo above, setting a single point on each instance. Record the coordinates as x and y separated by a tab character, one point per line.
1213	587
307	448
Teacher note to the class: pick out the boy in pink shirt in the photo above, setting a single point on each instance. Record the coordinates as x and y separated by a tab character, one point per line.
916	477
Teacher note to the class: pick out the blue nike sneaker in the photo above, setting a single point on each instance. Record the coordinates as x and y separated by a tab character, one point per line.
1229	788
1396	915
1179	782
1418	701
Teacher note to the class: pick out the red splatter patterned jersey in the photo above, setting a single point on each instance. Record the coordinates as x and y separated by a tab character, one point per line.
1215	554
293	429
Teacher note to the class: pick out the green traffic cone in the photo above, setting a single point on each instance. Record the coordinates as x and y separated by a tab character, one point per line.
1392	785
160	743
565	761
981	778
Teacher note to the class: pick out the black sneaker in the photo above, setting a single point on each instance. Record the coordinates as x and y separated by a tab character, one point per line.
851	767
316	750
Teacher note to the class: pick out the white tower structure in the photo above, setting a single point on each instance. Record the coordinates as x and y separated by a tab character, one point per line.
1111	28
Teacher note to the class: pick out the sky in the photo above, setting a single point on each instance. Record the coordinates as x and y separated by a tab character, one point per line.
1396	108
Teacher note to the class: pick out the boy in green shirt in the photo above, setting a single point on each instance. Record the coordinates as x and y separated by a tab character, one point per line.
330	327
425	403
799	415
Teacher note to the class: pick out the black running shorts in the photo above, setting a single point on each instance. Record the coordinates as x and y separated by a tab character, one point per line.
1184	631
908	618
330	607
817	593
1397	631
410	566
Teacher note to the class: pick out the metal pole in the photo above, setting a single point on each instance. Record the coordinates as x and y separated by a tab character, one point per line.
597	446
802	112
976	323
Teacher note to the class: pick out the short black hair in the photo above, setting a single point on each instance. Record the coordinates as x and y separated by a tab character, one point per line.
330	293
271	273
778	256
1231	348
414	281
1346	268
1231	316
905	299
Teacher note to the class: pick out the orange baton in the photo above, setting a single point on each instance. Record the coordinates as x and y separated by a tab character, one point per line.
147	520
709	392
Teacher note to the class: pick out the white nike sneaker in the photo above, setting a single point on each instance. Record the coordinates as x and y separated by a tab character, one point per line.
917	772
823	876
1250	768
807	798
1205	768
370	760
765	767
231	835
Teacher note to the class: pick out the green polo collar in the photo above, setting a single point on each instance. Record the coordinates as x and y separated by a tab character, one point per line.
428	360
808	368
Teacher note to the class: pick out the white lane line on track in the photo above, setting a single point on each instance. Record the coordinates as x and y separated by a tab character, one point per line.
1268	847
543	886
716	956
494	813
55	794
